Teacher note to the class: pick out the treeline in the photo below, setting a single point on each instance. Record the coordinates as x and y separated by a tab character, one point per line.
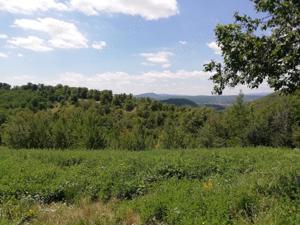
79	119
40	96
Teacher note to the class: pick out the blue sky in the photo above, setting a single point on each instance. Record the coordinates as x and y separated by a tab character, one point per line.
130	46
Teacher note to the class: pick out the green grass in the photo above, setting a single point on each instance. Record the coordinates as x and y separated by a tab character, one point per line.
225	186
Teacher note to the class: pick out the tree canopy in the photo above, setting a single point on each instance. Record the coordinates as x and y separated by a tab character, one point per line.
62	117
257	50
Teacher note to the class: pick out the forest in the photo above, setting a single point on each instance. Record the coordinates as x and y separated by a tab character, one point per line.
62	117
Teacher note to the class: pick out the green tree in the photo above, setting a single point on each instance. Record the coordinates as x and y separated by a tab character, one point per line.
106	97
5	86
93	137
260	49
214	132
16	132
172	136
237	120
28	130
63	136
257	133
133	139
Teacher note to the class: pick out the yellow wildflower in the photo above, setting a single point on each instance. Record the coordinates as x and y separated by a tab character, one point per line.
208	185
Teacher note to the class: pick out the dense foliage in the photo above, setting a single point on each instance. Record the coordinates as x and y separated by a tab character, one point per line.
37	116
227	186
260	49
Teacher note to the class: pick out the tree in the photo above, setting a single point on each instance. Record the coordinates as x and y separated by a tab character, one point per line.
172	136
4	86
16	133
106	97
214	132
257	50
236	121
28	130
134	138
92	133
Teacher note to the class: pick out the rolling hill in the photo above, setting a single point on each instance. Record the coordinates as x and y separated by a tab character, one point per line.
180	102
202	100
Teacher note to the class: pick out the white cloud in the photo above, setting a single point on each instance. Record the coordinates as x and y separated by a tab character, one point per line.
99	45
31	42
20	55
148	9
166	66
31	6
214	46
180	74
158	58
19	79
3	55
179	82
3	36
63	35
183	42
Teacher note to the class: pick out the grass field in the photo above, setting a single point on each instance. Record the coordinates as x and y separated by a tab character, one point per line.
225	186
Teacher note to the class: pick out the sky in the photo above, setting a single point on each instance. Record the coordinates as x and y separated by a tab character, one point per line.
128	46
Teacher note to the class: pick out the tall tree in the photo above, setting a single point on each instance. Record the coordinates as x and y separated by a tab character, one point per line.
260	49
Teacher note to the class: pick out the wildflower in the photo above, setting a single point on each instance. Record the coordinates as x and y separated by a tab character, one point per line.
208	185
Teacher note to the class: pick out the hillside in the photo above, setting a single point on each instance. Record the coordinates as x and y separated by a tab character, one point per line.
179	102
62	117
203	99
183	102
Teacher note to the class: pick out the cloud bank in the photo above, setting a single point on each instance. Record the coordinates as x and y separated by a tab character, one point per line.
147	9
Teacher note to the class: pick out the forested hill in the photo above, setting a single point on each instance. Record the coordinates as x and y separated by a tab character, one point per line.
180	102
202	100
40	116
39	96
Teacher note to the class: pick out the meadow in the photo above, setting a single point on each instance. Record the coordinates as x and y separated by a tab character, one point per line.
204	186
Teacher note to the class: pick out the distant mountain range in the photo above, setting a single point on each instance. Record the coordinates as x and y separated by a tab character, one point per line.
216	101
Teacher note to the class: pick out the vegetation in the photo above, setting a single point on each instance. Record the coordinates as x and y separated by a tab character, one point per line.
175	186
258	50
225	186
180	102
62	117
